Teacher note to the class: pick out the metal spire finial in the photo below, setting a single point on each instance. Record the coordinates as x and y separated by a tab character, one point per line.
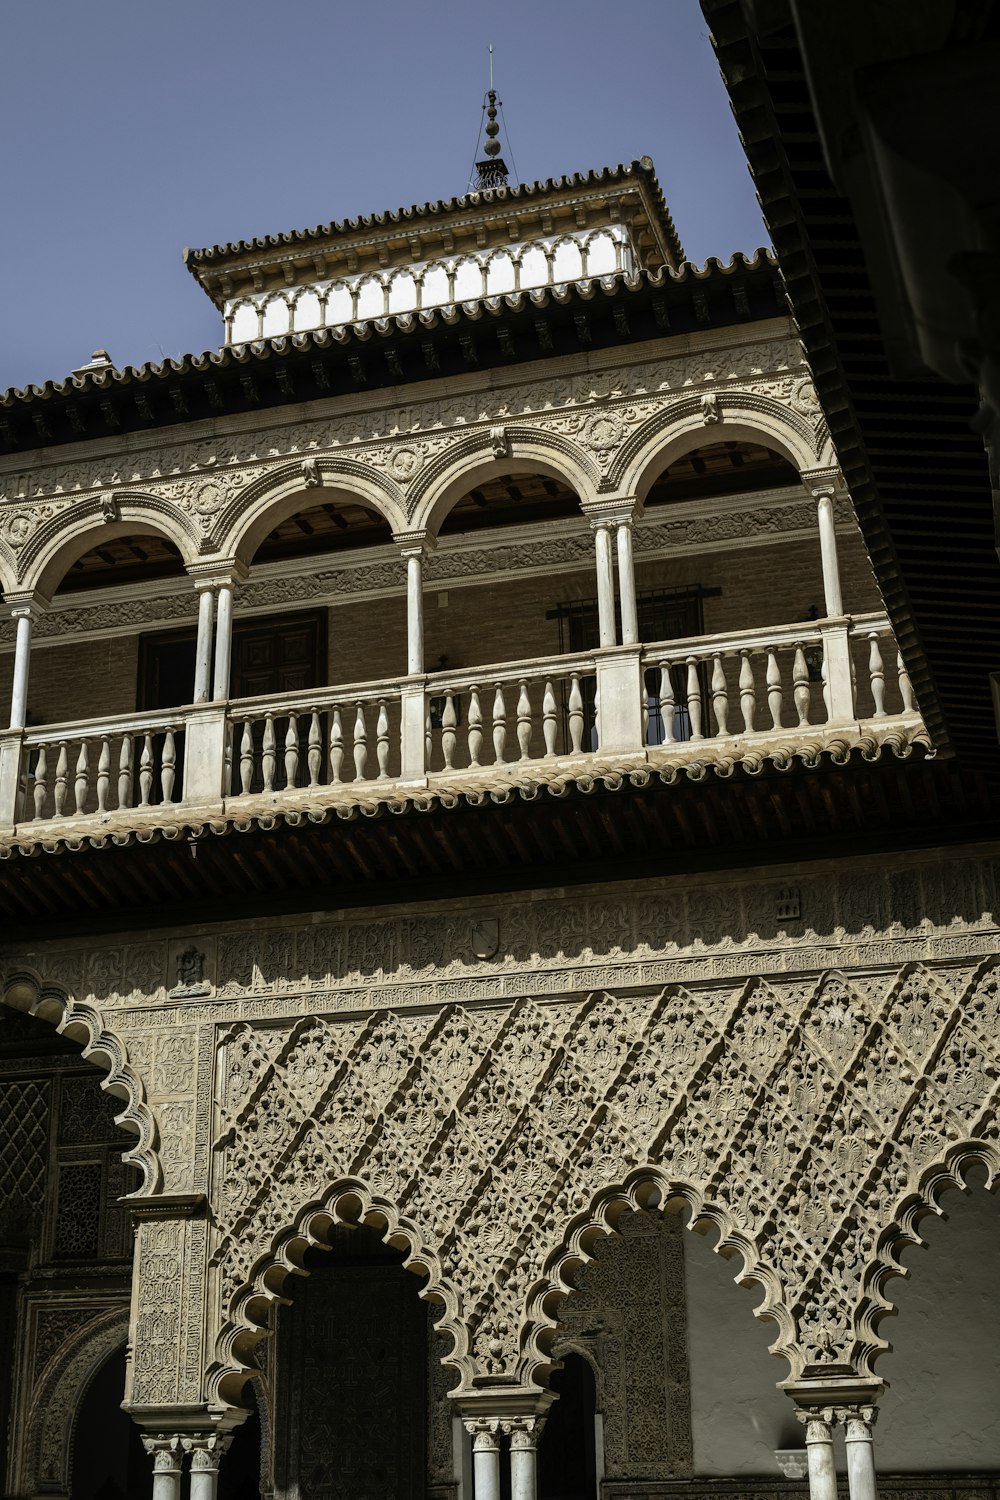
491	173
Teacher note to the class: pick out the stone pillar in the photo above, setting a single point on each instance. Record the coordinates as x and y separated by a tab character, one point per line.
203	649
414	545
166	1453
223	640
24	614
485	1458
607	629
524	1434
626	584
858	1423
818	1423
823	484
206	1455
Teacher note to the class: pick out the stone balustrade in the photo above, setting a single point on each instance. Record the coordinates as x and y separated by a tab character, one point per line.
830	685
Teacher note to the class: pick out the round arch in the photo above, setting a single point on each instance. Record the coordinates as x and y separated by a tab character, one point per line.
58	544
255	511
478	457
46	1458
348	1204
647	1189
23	990
666	437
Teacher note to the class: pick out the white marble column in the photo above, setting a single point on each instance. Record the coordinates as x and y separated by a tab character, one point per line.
167	1456
206	1455
818	1423
823	485
858	1424
524	1435
223	640
485	1458
607	628
203	649
626	584
414	612
24	614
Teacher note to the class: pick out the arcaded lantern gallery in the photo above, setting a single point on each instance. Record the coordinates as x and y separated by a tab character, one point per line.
450	850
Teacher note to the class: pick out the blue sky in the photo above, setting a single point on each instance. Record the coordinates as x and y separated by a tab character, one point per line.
135	127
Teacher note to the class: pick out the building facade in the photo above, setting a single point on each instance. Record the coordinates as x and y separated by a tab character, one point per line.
450	826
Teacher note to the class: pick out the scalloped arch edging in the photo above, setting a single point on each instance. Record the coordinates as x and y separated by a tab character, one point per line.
25	991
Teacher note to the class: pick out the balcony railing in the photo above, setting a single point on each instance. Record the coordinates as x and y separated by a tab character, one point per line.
800	689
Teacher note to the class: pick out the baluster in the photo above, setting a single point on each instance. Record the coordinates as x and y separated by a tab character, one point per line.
905	686
575	715
314	755
125	772
774	694
246	757
876	672
146	771
62	779
667	703
748	693
336	746
524	720
268	755
168	766
40	789
382	740
499	724
801	694
360	744
103	774
646	696
82	783
449	731
720	694
428	737
694	698
292	752
475	719
825	684
549	725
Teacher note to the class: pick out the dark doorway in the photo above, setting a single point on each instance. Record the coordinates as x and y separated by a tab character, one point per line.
240	1470
351	1377
279	654
109	1461
567	1453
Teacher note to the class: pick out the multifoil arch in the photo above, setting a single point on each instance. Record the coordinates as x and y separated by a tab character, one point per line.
26	991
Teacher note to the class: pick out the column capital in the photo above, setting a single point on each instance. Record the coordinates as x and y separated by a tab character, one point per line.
26	604
417	543
524	1432
858	1419
206	1449
165	1450
823	482
484	1432
612	510
823	1416
219	573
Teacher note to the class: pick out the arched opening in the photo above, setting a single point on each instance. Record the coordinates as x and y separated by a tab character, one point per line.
568	1451
109	1461
244	1469
350	1392
733	467
939	1413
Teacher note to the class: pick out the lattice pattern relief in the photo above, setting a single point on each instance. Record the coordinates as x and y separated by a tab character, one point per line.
24	1140
796	1115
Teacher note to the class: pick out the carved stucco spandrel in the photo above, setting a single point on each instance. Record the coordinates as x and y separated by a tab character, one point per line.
495	1144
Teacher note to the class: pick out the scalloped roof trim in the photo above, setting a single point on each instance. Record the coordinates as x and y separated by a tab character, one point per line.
322	338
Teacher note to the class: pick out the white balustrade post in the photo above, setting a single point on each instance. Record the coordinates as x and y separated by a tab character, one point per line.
822	484
485	1458
24	614
167	1456
626	583
223	640
858	1424
414	546
607	629
414	613
524	1433
818	1423
206	1454
203	649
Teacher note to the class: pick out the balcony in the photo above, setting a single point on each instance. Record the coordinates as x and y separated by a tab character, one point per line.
787	694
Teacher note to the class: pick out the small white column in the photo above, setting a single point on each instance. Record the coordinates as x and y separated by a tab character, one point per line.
223	641
626	584
823	485
605	584
206	1455
485	1458
818	1423
167	1457
203	649
858	1423
414	612
524	1434
25	617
